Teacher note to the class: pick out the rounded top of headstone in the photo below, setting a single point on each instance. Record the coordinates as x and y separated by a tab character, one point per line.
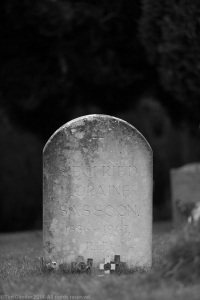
98	121
192	167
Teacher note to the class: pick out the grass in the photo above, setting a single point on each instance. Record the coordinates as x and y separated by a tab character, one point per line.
21	274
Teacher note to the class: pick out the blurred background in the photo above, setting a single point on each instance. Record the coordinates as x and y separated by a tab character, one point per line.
138	60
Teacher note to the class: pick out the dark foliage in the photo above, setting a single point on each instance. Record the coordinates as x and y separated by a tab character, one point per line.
58	57
20	178
170	33
58	54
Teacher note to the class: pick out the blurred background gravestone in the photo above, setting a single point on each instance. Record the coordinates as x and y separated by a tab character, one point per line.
185	192
98	192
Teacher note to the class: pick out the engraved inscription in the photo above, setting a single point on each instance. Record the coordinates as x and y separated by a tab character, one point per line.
79	190
98	246
101	246
100	228
98	210
101	190
103	171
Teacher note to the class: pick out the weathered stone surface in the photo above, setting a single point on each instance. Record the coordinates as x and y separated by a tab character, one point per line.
97	192
185	192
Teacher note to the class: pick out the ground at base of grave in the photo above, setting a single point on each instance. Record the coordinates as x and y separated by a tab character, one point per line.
21	276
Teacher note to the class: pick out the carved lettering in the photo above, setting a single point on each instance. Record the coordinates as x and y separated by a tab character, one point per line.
79	229
109	210
64	210
132	171
100	191
122	171
87	228
97	228
126	191
115	190
121	210
98	246
86	210
73	209
104	171
98	171
80	190
107	171
106	246
89	246
91	191
131	210
122	229
98	210
102	228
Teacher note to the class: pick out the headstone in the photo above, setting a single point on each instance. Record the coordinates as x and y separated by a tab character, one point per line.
97	193
185	192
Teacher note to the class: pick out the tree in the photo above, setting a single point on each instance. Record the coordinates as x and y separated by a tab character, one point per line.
57	53
169	31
